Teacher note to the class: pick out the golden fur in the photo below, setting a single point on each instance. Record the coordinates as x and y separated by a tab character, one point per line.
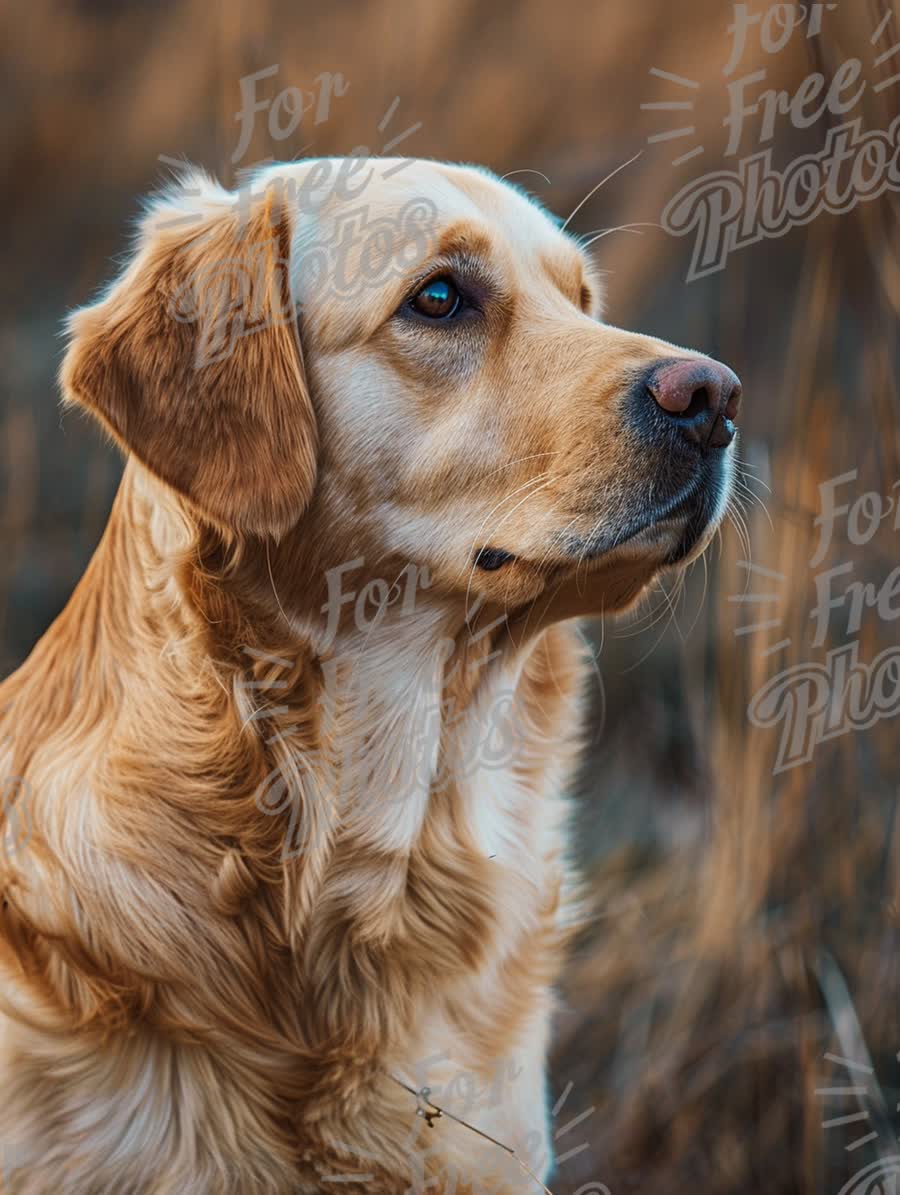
207	986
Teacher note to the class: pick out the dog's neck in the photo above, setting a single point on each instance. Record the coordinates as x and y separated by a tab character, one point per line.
359	726
336	828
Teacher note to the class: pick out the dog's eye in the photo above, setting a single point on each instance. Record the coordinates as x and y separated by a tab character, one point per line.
437	299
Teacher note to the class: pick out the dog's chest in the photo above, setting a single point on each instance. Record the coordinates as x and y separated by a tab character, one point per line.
478	824
429	937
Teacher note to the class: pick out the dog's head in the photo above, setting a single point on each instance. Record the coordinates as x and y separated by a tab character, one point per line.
406	362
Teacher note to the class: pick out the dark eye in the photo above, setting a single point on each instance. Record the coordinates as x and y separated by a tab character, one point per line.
438	299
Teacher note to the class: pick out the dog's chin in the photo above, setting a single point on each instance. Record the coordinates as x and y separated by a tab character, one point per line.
670	536
608	574
615	581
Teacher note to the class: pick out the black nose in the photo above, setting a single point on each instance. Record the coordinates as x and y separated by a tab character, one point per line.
702	397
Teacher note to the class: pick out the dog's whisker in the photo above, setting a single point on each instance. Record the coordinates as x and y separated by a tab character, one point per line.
532	481
542	562
526	170
648	617
702	601
534	485
634	229
737	521
742	489
670	620
574	212
518	461
550	479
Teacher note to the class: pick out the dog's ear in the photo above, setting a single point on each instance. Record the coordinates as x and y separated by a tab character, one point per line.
192	359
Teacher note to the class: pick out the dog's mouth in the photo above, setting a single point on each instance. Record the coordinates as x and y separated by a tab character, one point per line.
677	526
672	531
489	560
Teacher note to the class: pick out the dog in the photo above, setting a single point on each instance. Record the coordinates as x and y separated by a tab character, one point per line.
293	760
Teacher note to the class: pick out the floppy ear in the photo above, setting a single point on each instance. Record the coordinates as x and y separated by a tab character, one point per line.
192	359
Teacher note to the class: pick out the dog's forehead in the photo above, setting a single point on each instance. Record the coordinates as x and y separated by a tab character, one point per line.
469	192
330	192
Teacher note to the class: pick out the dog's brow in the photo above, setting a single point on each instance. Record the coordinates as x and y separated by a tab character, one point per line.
567	273
464	239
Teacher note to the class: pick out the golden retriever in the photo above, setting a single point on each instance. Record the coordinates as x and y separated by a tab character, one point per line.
288	837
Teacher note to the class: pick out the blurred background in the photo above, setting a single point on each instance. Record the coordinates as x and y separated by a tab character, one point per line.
731	1012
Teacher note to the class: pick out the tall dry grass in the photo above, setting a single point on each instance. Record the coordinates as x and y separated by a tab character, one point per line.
711	998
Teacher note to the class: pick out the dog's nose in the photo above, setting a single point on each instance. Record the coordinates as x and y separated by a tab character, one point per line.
701	396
